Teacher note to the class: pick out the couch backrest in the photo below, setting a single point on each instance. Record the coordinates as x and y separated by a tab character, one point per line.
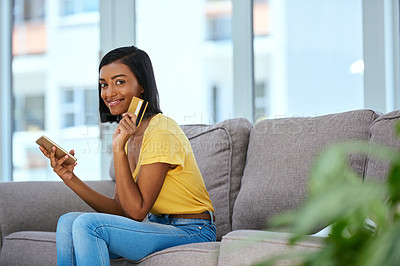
220	152
279	159
36	206
382	132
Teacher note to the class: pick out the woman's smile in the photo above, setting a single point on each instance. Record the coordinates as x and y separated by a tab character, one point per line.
113	103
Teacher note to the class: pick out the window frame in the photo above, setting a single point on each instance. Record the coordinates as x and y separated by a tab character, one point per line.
6	90
381	55
117	28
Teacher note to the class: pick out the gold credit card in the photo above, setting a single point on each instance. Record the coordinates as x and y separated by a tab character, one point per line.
47	143
138	107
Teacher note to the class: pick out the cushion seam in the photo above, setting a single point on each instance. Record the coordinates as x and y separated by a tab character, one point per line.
205	132
366	159
274	242
388	118
29	239
1	236
163	252
230	176
381	118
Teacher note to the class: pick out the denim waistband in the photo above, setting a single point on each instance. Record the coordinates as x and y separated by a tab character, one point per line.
166	219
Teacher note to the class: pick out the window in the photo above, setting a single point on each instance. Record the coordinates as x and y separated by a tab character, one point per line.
309	58
219	20
71	7
28	11
79	107
261	100
306	62
54	71
29	29
29	113
193	62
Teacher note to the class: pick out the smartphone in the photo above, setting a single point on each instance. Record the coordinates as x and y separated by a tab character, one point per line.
47	143
138	107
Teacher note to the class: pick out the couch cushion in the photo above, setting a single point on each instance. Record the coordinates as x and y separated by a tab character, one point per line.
190	254
39	248
279	157
220	152
248	247
383	132
29	248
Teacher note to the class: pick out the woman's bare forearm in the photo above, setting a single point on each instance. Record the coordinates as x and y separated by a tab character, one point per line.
96	200
128	192
137	198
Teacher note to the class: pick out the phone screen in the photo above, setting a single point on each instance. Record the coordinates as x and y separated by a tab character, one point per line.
47	143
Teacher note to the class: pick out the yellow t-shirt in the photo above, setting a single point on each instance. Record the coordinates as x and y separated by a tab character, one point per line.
183	191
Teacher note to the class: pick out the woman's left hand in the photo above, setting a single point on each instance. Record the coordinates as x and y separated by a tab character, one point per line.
124	131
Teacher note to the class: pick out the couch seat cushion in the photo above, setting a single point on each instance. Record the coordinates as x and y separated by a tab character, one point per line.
190	254
220	152
382	132
279	159
248	247
29	248
39	248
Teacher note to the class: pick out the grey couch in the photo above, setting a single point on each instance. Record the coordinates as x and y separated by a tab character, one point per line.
251	173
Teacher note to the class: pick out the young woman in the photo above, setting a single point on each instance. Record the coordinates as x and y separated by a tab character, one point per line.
160	198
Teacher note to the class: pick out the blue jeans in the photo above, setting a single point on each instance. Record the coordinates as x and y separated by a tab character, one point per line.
94	238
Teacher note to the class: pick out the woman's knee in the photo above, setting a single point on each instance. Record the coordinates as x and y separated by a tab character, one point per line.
66	221
85	223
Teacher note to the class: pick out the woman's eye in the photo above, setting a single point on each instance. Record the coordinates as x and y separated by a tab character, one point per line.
103	85
120	82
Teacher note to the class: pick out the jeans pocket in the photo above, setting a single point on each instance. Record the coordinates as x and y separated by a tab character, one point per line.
208	231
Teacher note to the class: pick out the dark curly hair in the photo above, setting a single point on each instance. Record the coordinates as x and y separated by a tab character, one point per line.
140	64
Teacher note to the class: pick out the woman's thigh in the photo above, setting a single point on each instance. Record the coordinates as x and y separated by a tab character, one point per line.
134	240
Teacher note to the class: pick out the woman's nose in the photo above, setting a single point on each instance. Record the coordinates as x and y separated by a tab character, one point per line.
110	91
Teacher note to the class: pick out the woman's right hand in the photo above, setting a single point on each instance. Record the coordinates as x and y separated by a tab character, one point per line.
126	128
64	171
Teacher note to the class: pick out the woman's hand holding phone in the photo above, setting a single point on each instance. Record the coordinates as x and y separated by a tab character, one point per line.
64	171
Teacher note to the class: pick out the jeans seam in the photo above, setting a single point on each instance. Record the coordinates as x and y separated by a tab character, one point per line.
142	231
98	247
132	230
72	254
201	231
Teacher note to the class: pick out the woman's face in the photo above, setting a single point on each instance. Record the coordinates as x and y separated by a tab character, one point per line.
118	86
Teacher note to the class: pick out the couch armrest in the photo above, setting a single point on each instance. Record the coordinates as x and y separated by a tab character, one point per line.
36	206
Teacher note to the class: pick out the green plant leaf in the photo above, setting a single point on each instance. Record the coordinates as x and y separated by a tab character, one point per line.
397	129
382	249
394	183
338	203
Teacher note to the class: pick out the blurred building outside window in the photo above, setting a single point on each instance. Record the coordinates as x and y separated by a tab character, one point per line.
55	46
